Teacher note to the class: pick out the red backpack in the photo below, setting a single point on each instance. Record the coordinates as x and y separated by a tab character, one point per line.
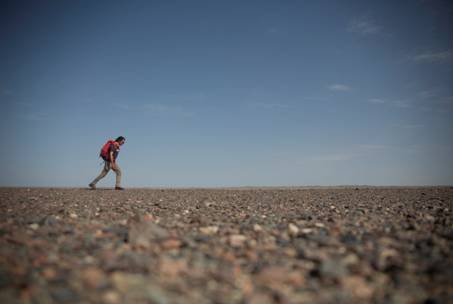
105	149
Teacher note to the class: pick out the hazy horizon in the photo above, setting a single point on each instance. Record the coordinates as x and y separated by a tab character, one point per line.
227	93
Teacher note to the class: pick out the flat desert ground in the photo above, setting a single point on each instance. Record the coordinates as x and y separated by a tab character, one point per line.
251	245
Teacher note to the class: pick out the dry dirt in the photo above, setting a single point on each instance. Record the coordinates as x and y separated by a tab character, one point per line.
293	245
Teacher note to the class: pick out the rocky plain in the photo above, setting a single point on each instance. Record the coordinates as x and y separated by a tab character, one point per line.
250	245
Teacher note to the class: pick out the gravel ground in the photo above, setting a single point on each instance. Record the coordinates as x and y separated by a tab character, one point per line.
291	245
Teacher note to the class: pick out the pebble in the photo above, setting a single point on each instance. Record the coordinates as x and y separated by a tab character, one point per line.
237	240
49	273
333	268
209	230
93	277
111	297
257	228
293	230
171	243
33	226
306	230
357	286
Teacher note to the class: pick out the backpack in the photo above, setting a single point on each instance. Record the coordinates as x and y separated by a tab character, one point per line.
105	149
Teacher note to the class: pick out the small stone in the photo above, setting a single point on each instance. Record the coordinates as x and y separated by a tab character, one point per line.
33	226
252	243
358	287
430	218
49	220
118	230
349	239
293	230
124	282
272	275
172	268
171	244
49	273
93	277
208	204
387	257
89	259
291	252
237	240
73	215
98	233
149	217
332	268
257	228
320	225
209	230
306	230
64	295
145	233
277	277
111	297
260	298
350	259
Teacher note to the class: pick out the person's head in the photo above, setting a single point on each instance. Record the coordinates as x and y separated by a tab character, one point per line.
121	140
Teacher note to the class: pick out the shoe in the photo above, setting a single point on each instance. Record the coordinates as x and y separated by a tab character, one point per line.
119	188
92	186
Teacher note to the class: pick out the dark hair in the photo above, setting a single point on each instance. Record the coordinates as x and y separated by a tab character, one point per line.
120	138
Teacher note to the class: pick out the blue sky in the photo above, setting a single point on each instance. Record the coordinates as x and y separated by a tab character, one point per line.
227	93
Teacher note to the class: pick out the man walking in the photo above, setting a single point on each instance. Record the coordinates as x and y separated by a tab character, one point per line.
109	154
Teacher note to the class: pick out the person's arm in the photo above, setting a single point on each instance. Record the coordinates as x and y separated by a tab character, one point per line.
112	160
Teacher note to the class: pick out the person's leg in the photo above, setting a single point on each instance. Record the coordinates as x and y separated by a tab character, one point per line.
117	170
104	172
